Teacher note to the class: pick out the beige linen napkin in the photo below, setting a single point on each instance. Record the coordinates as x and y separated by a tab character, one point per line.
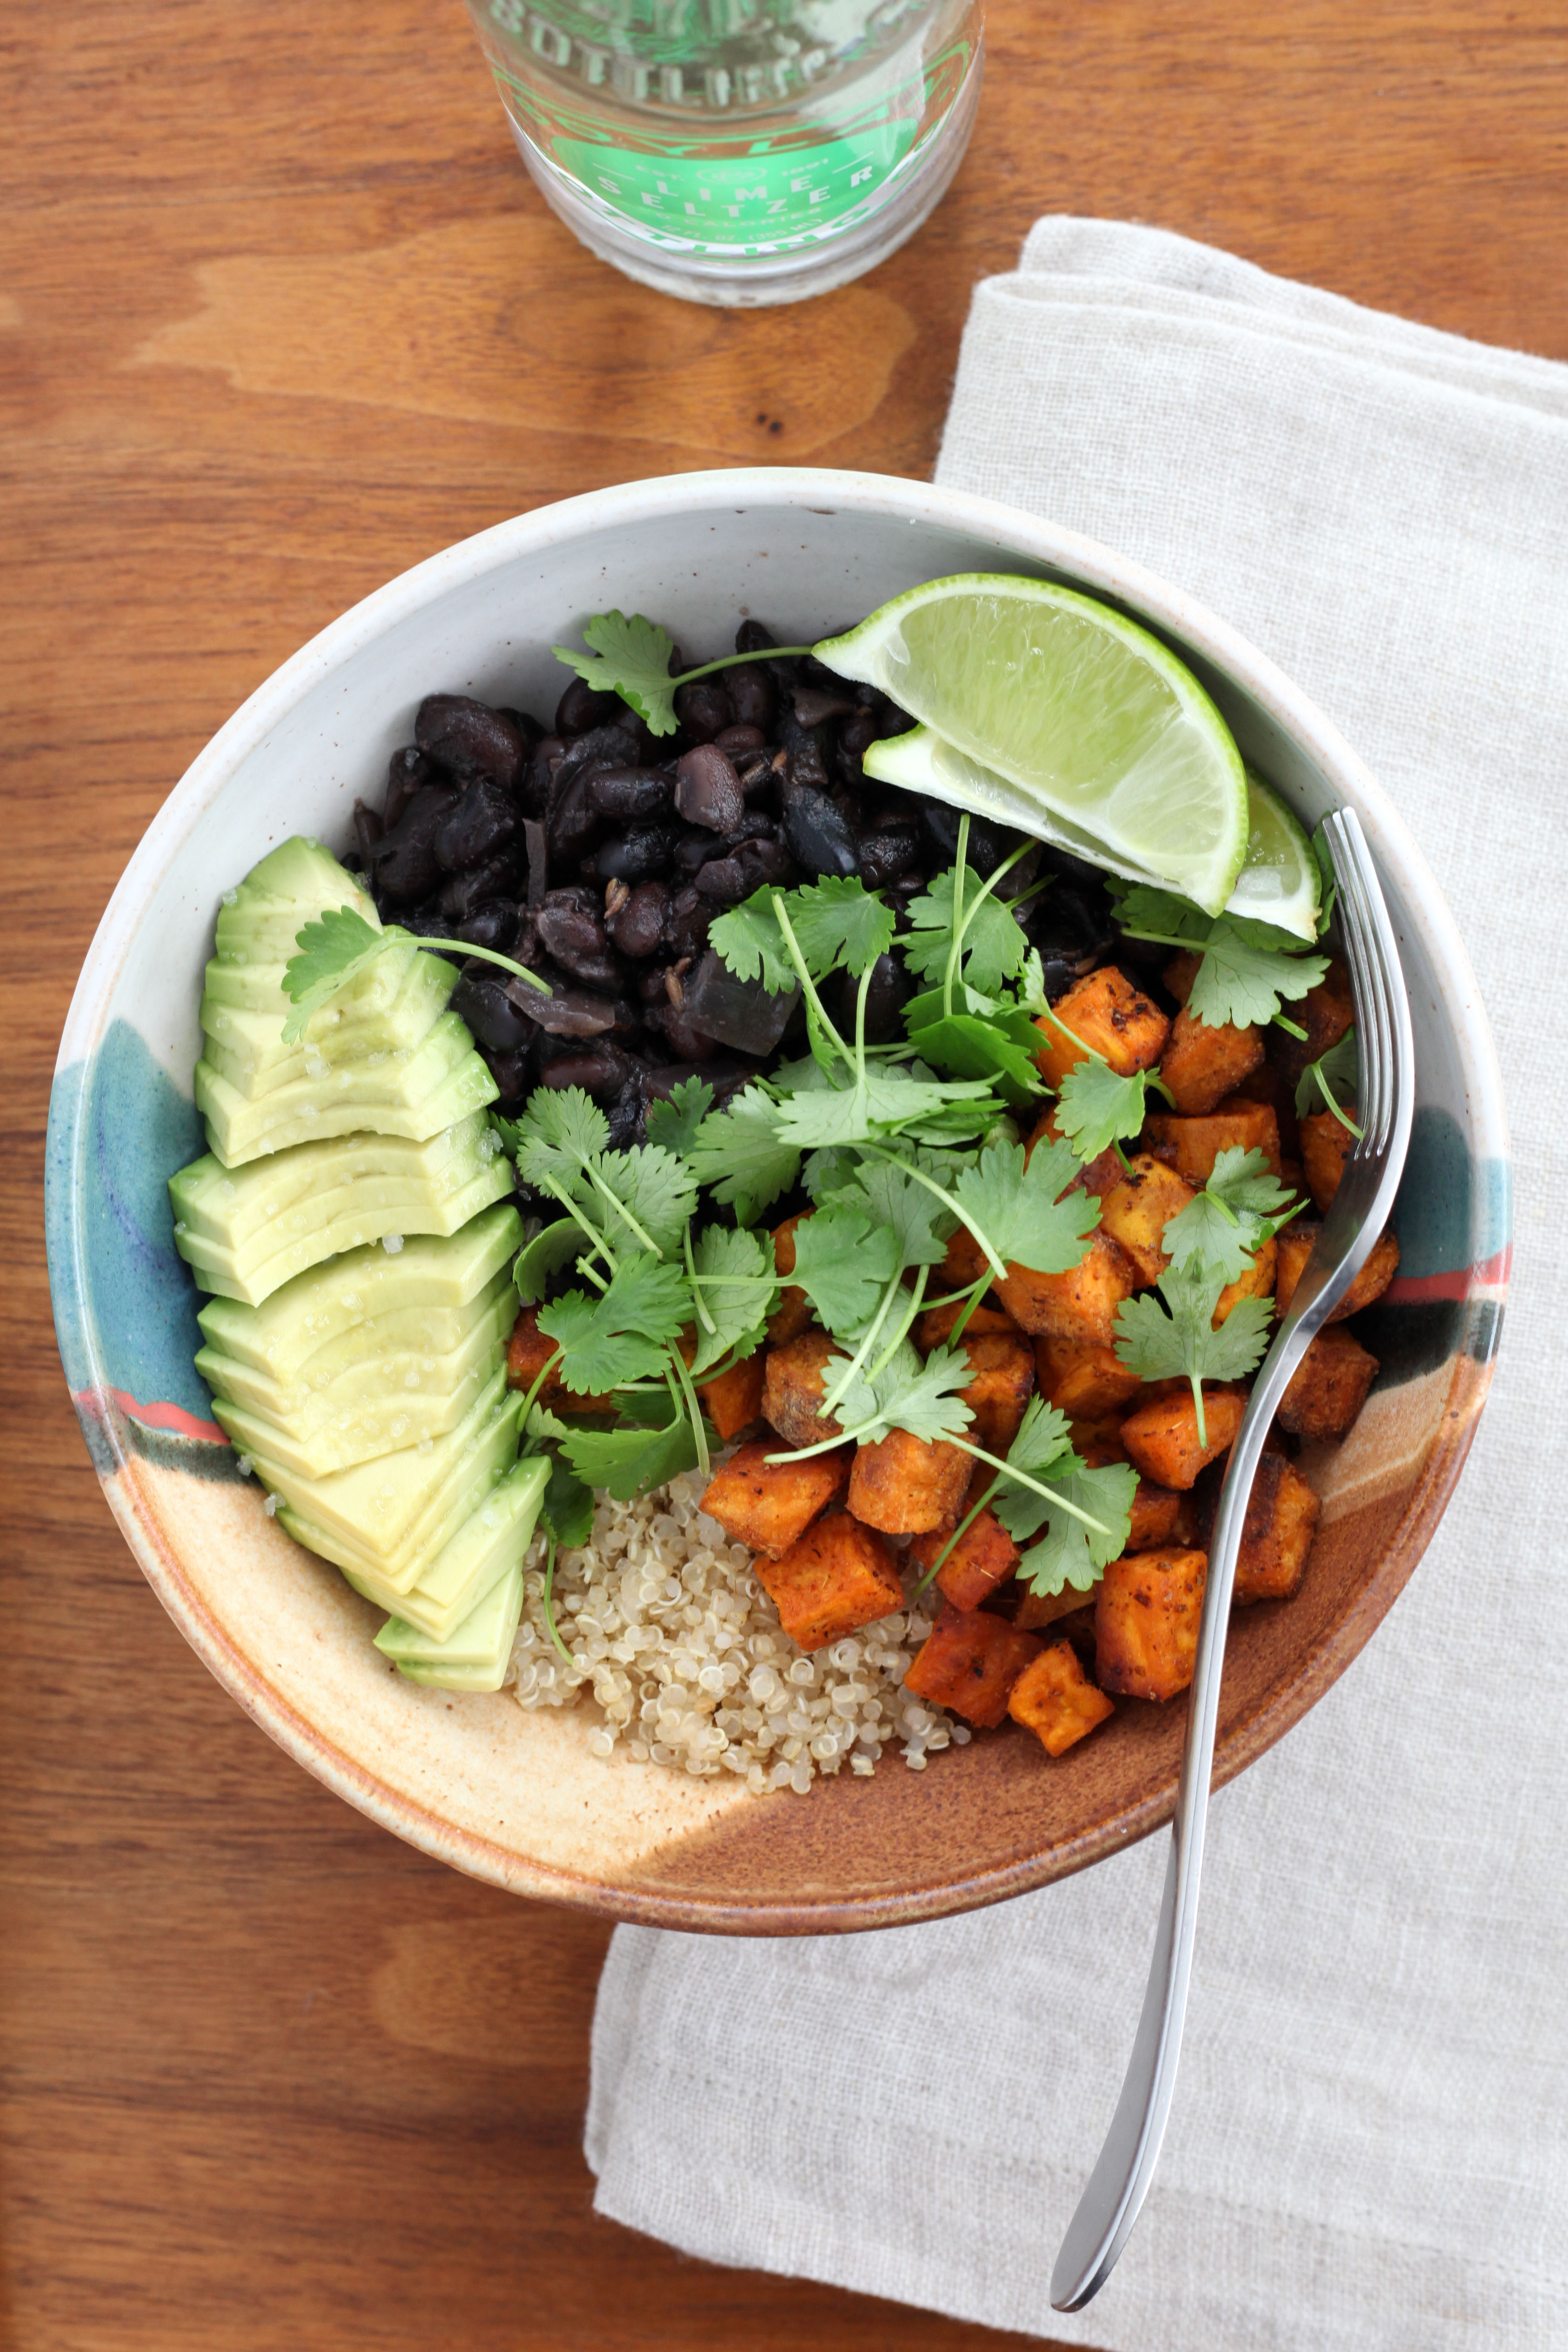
1368	2147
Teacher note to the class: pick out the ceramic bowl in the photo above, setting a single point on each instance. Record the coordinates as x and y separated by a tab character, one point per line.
516	1798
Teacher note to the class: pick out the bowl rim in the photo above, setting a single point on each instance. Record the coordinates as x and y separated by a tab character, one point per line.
1017	534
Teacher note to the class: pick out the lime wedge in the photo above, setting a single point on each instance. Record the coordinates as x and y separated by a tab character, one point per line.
1086	715
1279	883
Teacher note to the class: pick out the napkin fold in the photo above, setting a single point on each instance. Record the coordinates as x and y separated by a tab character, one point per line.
1368	2146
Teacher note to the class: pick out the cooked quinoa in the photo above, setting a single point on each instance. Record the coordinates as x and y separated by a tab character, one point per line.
678	1655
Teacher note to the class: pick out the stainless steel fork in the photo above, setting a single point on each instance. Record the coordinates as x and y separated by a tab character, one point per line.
1385	1096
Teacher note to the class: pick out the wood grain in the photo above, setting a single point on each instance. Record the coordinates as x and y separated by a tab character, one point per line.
280	316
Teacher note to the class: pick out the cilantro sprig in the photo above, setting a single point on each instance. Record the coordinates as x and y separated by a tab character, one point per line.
630	655
1173	1337
1248	969
340	945
1334	1075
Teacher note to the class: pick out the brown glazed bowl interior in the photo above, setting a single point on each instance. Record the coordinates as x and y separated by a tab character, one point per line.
516	1798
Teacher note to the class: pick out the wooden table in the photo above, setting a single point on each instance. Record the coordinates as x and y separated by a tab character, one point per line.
281	316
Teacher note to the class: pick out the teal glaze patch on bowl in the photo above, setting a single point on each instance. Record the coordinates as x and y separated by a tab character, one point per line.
125	1300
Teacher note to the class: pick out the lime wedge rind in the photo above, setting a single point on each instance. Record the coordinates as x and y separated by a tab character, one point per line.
1279	883
1077	708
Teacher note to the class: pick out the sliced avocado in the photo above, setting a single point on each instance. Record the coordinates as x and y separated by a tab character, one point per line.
491	1541
247	1231
372	1369
415	1094
392	1514
259	921
474	1656
245	1035
422	1299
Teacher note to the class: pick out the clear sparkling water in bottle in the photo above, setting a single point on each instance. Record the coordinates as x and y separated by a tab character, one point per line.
738	152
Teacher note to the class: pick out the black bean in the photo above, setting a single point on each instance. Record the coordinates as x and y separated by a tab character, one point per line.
751	637
632	722
406	771
468	739
513	1073
407	868
368	830
492	877
603	748
567	1012
817	836
629	1112
885	851
641	851
708	791
813	704
754	697
533	795
536	855
528	728
1071	924
857	734
602	1073
483	819
495	1020
808	749
574	935
989	843
498	924
573	829
688	1043
891	989
704	709
749	866
580	709
633	795
638	925
686	925
733	741
890	720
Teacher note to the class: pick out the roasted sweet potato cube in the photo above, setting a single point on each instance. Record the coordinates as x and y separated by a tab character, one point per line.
1080	1304
1277	1534
1181	971
793	1385
970	1662
1267	1085
793	1314
1326	1144
528	1352
987	1322
965	1261
1037	1609
1329	1386
1161	1438
1054	1698
1191	1146
734	1399
1146	1618
1255	1281
1099	1442
1002	1385
1201	1066
1156	1514
906	1486
984	1558
837	1576
1085	1383
1096	1176
1370	1283
768	1506
1295	1246
1109	1017
1325	1012
1137	1209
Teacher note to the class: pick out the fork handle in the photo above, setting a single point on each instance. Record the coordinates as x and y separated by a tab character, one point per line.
1111	2203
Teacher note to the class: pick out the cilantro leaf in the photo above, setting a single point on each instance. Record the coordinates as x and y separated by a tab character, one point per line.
623	1335
994	947
1243	982
738	1152
1181	1343
1069	1552
1028	1214
1223	1228
897	1202
740	1313
567	1510
334	951
543	1256
653	1186
627	1462
749	942
1332	1080
562	1132
673	1125
1097	1107
889	1097
924	1398
1044	1436
630	658
838	922
999	1044
1146	909
844	1264
1328	879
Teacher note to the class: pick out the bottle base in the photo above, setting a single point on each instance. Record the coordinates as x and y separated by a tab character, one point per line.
755	280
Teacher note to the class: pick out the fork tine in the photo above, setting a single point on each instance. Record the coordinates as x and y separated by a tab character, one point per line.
1358	954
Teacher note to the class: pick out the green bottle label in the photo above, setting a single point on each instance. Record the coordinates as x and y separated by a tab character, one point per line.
748	200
